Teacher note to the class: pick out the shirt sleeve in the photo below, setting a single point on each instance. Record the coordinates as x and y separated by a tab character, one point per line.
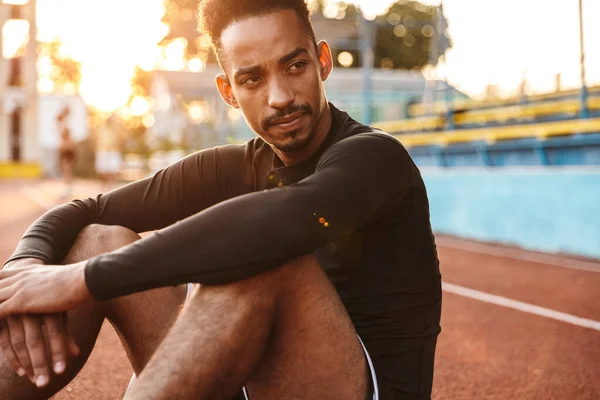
356	180
173	193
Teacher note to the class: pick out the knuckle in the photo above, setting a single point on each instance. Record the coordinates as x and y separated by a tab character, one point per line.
53	331
57	353
34	341
25	362
19	345
39	366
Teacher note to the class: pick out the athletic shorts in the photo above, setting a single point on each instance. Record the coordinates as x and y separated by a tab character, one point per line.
373	383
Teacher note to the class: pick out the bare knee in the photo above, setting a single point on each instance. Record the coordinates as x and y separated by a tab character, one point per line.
299	284
304	271
108	236
96	239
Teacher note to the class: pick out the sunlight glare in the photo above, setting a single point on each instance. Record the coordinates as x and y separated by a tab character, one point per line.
196	64
139	106
108	37
15	2
15	35
174	55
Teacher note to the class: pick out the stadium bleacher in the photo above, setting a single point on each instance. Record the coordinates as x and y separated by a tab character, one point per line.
540	130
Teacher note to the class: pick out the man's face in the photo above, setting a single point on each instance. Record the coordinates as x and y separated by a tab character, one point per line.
275	76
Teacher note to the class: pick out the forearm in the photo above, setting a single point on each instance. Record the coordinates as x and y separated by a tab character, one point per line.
254	233
51	236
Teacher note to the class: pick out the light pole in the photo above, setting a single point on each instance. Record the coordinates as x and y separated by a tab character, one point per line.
583	93
366	33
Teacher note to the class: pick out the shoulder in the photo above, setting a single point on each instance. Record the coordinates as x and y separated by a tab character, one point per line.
243	156
368	144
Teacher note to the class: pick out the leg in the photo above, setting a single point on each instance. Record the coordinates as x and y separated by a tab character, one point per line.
285	333
142	320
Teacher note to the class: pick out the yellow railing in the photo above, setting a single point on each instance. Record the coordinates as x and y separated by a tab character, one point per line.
490	135
11	170
411	125
417	110
504	114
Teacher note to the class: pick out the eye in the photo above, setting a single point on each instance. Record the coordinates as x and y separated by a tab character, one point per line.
297	65
250	80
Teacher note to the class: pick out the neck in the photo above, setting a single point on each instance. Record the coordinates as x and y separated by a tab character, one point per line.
321	131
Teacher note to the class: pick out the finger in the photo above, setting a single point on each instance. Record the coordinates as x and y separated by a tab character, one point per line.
73	347
17	341
57	341
37	349
7	349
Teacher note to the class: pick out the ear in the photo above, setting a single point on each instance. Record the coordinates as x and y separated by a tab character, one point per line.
225	90
325	59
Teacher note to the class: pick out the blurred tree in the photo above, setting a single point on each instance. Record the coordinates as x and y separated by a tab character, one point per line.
65	72
141	82
410	34
182	18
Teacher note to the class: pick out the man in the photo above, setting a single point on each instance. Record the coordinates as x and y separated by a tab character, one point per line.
259	224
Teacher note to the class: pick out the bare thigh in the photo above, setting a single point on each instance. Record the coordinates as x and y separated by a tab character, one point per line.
314	351
284	334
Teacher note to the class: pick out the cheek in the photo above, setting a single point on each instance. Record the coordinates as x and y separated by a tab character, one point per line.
310	87
252	111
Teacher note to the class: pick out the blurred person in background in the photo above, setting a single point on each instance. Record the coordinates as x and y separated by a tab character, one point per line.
66	152
108	153
318	270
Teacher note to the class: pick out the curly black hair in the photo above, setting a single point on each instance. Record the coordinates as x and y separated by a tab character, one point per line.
214	16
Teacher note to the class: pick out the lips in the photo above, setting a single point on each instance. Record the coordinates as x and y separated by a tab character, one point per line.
288	122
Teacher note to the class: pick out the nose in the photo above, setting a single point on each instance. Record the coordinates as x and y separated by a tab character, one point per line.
281	94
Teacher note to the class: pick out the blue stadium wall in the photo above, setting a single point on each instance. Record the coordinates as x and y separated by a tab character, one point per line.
550	209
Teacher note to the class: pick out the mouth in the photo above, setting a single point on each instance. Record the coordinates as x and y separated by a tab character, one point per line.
290	122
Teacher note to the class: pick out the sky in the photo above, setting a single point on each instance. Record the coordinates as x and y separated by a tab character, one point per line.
495	42
500	42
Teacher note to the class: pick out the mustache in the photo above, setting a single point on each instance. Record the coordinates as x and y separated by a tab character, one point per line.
270	120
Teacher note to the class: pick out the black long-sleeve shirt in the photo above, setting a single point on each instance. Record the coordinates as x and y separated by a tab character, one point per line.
231	212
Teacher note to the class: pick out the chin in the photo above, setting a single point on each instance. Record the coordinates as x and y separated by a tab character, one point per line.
296	144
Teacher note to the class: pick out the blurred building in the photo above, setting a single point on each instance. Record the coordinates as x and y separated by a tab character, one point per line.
19	145
29	138
188	108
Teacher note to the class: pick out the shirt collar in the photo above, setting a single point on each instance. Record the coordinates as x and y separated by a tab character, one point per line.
282	175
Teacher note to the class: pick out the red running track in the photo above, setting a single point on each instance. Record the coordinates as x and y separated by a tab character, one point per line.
485	351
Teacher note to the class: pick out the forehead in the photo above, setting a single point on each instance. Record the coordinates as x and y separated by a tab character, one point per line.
263	39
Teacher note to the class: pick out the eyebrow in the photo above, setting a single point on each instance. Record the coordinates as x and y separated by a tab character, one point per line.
292	54
257	68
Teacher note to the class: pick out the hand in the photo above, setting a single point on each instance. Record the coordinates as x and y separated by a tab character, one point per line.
25	345
42	289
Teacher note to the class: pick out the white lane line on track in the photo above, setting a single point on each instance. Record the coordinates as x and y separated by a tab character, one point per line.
518	254
521	306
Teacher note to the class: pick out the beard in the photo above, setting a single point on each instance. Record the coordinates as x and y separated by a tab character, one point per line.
297	144
299	141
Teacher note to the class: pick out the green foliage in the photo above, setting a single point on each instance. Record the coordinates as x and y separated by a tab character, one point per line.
66	71
420	37
410	35
141	82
